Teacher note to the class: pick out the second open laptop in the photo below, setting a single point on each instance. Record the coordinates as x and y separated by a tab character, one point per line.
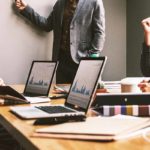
80	95
37	85
40	78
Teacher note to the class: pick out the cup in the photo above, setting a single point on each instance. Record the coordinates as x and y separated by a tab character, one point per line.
130	85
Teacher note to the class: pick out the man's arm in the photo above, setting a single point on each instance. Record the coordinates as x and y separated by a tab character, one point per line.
42	22
146	27
145	56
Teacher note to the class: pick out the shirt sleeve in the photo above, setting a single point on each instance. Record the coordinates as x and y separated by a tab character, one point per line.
98	24
43	23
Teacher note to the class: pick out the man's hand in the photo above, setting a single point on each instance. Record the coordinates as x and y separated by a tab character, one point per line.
146	27
144	86
20	4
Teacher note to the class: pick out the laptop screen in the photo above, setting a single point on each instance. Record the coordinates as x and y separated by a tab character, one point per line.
85	82
40	78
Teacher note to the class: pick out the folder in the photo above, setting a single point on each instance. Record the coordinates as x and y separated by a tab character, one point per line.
95	128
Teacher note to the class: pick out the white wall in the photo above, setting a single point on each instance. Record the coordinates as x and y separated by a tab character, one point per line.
115	45
21	42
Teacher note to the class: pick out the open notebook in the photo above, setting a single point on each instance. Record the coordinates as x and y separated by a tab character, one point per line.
80	95
37	86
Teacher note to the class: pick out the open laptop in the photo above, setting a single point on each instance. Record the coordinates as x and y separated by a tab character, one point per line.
80	95
39	81
37	86
40	78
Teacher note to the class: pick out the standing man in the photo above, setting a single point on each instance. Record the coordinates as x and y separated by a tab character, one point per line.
79	31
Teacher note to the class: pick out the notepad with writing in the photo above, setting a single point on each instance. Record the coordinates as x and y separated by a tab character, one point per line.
95	128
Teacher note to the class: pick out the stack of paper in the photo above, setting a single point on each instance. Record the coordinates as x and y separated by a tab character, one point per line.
112	86
95	128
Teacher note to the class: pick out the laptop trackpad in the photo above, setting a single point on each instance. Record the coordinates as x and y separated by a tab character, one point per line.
29	112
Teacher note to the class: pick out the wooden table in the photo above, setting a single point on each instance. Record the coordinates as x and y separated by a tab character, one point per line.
22	130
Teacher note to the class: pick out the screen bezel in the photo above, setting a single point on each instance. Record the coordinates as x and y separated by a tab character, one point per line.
26	93
103	59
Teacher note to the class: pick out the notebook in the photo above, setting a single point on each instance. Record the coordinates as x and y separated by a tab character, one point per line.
37	86
80	95
104	129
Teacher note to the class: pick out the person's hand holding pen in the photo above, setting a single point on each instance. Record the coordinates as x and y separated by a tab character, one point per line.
144	86
146	26
20	4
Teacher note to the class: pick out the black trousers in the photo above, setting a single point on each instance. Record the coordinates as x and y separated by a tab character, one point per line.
7	142
66	68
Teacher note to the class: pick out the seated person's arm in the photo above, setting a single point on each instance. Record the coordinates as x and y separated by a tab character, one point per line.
145	55
146	27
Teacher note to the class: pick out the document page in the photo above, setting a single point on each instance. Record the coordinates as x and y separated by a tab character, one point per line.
34	100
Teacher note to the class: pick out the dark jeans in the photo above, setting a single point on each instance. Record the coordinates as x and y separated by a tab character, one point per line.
66	69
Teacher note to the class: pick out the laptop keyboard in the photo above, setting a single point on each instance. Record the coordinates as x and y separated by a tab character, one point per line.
54	109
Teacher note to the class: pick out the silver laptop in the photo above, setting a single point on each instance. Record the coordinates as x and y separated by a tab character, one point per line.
37	86
80	95
40	78
39	81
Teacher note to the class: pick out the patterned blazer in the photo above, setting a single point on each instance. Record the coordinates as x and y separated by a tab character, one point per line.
87	28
